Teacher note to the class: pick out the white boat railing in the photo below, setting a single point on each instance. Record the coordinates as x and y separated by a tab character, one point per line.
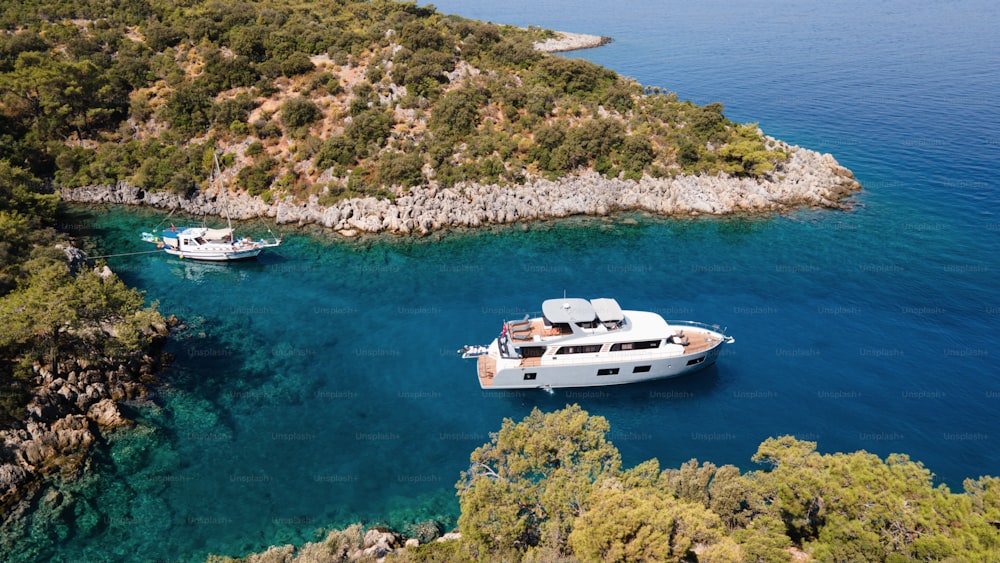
714	328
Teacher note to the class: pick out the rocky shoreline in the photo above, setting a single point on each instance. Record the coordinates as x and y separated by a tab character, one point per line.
564	41
354	543
806	179
69	412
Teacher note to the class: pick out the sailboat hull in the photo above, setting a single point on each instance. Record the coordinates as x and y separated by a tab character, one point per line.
216	256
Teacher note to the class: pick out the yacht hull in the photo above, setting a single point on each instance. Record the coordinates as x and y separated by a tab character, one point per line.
600	372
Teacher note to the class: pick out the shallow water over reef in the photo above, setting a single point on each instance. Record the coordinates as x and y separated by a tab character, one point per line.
319	385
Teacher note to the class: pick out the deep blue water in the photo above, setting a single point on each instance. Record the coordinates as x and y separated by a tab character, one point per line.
319	385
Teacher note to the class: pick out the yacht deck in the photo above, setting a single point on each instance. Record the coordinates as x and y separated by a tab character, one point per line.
487	369
527	330
698	340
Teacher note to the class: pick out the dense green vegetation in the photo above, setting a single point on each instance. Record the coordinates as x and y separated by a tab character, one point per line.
552	488
344	97
51	312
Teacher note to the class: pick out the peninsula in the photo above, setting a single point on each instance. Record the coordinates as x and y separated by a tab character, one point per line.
562	41
413	122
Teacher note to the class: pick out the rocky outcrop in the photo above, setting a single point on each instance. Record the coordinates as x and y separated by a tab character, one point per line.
106	414
379	543
564	41
350	544
75	257
806	178
64	418
67	414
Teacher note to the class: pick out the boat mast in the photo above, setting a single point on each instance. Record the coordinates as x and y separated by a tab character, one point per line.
225	200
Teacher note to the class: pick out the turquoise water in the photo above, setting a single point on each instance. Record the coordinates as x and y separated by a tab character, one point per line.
319	385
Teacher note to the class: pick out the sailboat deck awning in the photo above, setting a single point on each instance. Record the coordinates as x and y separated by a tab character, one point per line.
195	232
217	234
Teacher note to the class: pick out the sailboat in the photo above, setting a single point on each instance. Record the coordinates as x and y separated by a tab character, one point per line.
203	243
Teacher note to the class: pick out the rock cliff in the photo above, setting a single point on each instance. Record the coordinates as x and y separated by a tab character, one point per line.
806	178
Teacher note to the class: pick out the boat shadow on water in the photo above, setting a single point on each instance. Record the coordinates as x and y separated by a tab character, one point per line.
233	270
203	272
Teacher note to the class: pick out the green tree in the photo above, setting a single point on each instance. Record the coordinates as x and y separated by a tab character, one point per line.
764	540
248	41
233	110
423	72
299	112
746	155
297	63
401	168
856	506
636	154
159	36
258	178
707	123
985	494
338	149
225	72
573	76
514	52
425	33
457	113
641	524
40	316
525	488
369	129
188	109
52	96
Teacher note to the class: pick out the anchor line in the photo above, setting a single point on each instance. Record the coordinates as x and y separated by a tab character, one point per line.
125	254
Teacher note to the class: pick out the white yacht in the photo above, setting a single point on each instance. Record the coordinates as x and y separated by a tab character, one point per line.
581	343
202	243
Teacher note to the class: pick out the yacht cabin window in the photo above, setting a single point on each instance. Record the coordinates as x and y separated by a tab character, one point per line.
643	345
583	349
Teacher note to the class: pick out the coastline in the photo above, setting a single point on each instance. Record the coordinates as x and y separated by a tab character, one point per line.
69	413
565	41
806	179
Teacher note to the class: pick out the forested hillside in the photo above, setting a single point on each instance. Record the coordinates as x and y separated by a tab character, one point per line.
55	308
329	99
552	487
